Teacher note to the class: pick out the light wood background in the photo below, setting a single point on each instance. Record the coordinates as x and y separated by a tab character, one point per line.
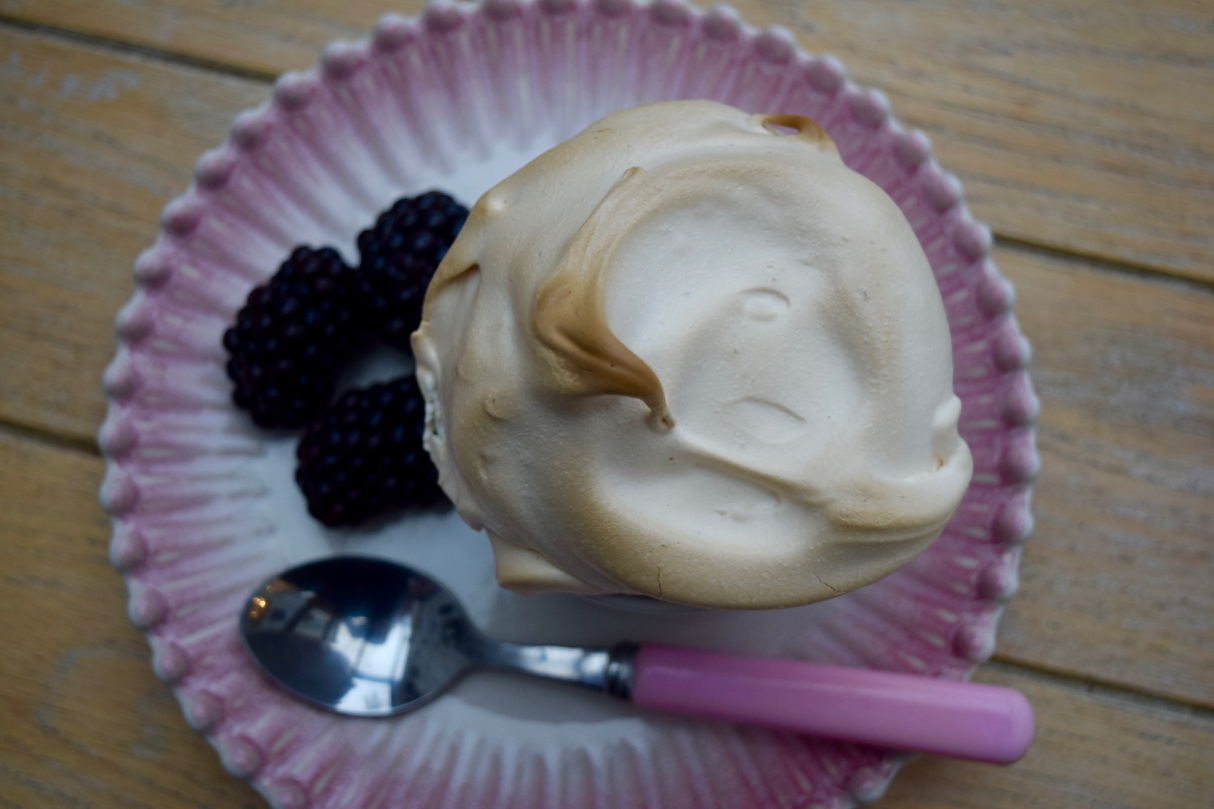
1084	134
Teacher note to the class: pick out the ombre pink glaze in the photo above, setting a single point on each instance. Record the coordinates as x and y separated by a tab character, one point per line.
900	711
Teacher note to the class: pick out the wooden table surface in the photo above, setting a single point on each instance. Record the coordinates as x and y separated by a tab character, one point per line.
1084	134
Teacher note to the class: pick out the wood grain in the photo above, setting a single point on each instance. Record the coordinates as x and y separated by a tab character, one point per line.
92	146
1072	123
1125	365
1115	583
84	723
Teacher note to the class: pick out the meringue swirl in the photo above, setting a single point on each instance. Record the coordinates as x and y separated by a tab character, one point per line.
689	354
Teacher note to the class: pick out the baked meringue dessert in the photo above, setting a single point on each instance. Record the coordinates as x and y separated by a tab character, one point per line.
688	354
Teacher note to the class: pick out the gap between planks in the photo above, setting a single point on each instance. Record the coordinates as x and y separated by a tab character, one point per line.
48	438
1096	687
1101	262
126	48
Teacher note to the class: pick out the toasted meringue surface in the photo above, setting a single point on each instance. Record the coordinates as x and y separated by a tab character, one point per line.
689	354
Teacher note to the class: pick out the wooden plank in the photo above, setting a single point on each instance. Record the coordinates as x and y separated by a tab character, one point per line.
67	741
1073	123
91	148
1123	364
1116	579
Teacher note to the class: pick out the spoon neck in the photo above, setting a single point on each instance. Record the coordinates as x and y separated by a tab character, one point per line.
608	670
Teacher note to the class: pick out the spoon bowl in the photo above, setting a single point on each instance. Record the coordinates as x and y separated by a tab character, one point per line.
367	637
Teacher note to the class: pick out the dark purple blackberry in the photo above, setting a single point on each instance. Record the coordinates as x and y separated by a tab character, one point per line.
364	456
399	256
294	336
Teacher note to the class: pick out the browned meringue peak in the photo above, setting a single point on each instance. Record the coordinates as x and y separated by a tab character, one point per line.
687	355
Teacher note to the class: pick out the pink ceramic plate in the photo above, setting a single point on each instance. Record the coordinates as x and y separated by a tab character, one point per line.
204	505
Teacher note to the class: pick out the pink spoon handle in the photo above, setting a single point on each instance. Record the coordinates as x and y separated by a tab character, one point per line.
899	711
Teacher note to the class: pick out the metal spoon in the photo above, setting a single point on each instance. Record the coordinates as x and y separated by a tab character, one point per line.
368	637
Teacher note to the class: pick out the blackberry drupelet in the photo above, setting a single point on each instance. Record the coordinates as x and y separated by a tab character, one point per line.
294	336
398	258
364	456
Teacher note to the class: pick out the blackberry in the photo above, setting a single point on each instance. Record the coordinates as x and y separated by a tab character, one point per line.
293	337
364	456
398	258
